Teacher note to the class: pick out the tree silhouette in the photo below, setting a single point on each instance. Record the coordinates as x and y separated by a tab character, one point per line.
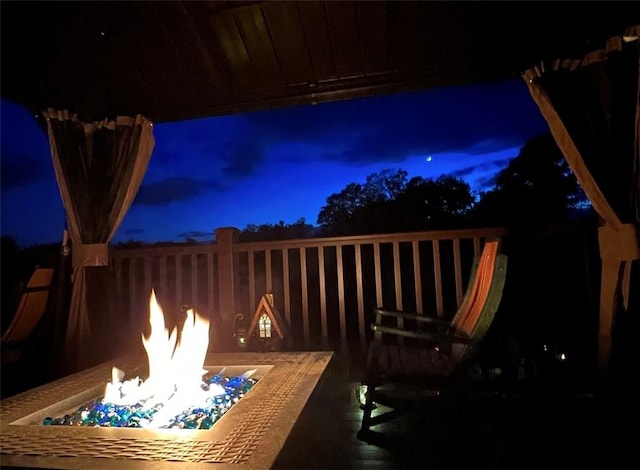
349	212
428	204
536	188
279	231
387	203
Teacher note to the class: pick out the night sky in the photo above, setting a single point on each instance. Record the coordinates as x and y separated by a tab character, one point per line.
281	165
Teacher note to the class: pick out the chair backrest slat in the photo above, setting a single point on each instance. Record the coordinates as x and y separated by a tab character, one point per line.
478	289
31	307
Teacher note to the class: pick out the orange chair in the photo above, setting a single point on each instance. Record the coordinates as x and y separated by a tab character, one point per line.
414	353
30	311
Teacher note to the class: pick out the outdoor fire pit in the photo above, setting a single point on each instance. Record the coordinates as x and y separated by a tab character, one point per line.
186	407
249	435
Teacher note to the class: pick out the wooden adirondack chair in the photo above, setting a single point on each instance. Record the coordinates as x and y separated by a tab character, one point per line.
412	355
31	308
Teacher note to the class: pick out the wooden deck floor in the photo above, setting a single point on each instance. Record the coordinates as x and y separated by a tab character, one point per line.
489	431
528	431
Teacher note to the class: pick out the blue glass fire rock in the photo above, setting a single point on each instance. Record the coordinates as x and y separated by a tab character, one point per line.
104	414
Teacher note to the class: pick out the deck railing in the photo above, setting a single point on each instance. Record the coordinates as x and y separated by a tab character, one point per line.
325	288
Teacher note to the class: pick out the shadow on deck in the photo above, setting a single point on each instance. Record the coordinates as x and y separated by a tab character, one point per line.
530	429
542	428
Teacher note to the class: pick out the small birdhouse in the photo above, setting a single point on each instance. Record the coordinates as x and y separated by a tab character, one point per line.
267	330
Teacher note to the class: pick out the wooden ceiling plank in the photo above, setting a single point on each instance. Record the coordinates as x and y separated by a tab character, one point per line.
283	21
228	35
241	102
344	31
440	32
136	74
199	16
188	37
316	31
403	34
134	84
373	24
179	62
83	80
30	47
260	49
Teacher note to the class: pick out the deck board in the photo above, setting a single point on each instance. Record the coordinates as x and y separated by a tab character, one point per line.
551	430
524	431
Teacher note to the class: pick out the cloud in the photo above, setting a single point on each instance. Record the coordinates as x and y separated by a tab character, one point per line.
234	159
195	234
23	170
492	165
387	129
486	183
465	172
500	162
493	168
227	147
134	231
242	157
472	119
485	146
174	189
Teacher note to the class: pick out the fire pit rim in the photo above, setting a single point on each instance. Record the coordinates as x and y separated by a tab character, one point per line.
243	436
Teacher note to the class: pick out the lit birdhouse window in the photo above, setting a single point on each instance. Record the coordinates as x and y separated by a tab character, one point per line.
264	326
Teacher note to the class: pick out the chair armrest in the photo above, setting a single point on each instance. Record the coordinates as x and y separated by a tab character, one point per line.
410	316
436	339
432	339
430	323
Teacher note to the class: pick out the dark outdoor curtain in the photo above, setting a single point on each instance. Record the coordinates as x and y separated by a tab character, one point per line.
99	167
592	108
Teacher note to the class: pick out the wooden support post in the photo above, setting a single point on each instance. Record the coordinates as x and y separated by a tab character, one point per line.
225	238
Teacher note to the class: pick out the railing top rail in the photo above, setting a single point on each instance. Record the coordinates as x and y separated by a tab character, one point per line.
377	238
163	250
186	249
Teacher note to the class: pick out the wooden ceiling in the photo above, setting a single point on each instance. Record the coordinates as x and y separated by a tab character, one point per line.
175	60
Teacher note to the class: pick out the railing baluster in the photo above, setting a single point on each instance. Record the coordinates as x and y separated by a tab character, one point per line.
476	246
323	296
194	281
417	277
397	277
164	282
210	284
437	273
286	287
304	280
341	308
133	294
118	280
267	268
252	281
147	275
360	295
457	266
178	264
378	274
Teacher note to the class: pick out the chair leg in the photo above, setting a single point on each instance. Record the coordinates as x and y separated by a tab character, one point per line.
367	389
367	407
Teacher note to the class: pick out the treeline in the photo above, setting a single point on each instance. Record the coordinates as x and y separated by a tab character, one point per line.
537	188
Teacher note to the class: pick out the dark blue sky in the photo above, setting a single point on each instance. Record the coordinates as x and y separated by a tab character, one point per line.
277	165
